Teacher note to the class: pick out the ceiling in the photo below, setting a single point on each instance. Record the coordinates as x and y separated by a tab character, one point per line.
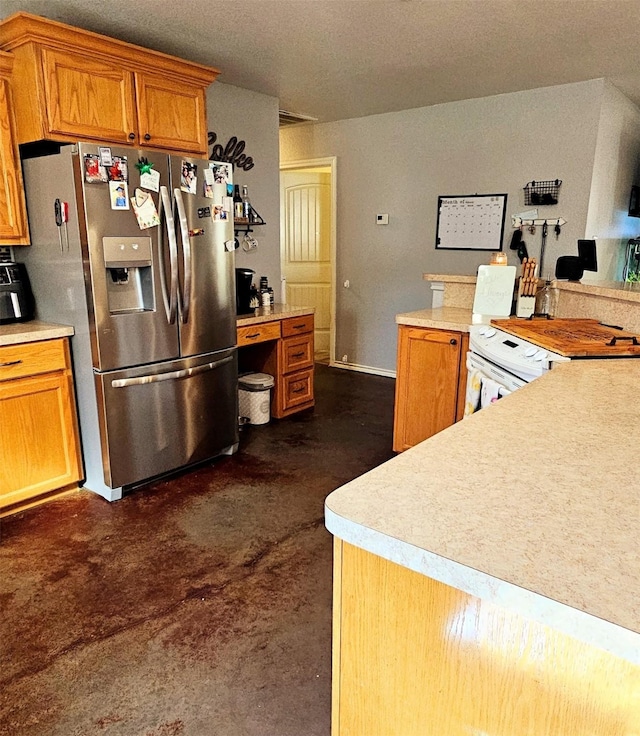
336	59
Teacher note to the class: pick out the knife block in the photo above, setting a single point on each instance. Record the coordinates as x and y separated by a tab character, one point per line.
525	305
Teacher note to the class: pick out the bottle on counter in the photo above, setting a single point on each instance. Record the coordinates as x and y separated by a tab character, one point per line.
237	202
246	203
547	300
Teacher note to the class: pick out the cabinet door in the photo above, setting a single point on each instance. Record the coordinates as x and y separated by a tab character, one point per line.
171	114
426	384
88	98
13	211
39	451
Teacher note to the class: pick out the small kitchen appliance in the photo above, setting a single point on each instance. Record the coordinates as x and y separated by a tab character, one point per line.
244	282
16	298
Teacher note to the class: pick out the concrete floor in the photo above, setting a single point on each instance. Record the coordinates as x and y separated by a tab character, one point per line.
199	605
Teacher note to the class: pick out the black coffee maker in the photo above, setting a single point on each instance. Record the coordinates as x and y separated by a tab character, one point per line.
244	282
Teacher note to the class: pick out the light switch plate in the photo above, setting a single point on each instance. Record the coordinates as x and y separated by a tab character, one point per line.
382	219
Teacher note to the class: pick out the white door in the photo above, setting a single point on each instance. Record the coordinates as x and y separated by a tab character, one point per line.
306	224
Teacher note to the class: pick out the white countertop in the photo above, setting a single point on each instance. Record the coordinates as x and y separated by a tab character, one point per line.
443	318
19	332
532	503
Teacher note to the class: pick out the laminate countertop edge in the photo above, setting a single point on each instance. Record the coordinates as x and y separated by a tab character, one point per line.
529	504
595	631
33	331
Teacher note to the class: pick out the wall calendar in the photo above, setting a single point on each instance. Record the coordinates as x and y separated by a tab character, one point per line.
474	222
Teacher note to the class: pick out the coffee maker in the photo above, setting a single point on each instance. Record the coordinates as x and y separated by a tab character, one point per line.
244	292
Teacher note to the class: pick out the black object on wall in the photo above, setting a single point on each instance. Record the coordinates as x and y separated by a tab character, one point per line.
634	202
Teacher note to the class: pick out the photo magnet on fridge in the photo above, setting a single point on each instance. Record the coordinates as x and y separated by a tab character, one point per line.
94	171
208	183
118	170
119	195
222	172
189	178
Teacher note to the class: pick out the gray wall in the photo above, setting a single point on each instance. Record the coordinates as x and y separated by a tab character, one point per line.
253	117
616	168
399	163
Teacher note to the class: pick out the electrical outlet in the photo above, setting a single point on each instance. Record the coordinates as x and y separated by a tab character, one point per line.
344	358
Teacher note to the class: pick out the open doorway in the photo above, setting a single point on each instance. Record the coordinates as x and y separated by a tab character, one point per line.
308	244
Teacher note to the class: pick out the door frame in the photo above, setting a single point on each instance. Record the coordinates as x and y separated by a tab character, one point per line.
331	162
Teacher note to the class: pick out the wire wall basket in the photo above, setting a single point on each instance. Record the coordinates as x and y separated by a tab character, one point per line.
542	192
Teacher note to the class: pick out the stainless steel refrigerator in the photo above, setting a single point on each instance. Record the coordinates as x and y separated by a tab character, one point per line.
153	308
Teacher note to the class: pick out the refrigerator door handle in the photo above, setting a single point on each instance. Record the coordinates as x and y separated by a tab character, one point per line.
186	254
171	375
170	299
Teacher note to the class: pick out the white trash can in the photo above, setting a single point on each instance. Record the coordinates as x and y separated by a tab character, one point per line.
254	397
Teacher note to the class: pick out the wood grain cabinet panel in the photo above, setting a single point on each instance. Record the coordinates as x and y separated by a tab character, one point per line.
415	657
171	114
39	441
13	210
430	383
252	334
297	353
88	98
297	391
71	84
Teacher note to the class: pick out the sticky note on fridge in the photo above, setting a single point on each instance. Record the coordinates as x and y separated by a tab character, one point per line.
494	290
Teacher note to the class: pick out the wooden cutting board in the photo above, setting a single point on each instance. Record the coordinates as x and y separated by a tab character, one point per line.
574	338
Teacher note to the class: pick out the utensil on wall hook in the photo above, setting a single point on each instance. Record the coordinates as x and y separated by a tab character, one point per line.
557	229
545	230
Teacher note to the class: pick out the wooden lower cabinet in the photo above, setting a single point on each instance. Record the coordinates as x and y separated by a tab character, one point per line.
39	441
283	348
430	383
415	657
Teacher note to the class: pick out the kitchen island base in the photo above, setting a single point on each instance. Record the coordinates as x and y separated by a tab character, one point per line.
413	656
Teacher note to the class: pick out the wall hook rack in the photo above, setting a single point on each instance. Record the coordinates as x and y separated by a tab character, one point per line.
537	222
242	225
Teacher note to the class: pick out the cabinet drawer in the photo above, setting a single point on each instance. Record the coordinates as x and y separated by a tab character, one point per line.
297	353
297	325
30	359
298	389
258	333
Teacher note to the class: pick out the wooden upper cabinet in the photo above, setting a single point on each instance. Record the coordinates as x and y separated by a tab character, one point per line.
13	210
71	84
171	114
88	98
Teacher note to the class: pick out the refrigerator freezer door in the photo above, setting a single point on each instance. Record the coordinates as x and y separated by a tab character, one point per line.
207	269
156	419
125	290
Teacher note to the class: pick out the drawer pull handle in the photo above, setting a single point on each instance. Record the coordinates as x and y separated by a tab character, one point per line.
253	337
298	327
11	362
298	390
297	355
453	341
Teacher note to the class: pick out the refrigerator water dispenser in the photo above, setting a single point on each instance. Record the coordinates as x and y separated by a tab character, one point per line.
129	274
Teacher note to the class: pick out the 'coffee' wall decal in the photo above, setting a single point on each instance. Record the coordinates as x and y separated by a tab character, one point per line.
231	153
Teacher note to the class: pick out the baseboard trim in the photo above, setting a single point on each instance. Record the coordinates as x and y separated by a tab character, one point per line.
362	369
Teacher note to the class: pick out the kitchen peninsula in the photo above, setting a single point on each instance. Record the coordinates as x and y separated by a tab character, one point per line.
486	580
